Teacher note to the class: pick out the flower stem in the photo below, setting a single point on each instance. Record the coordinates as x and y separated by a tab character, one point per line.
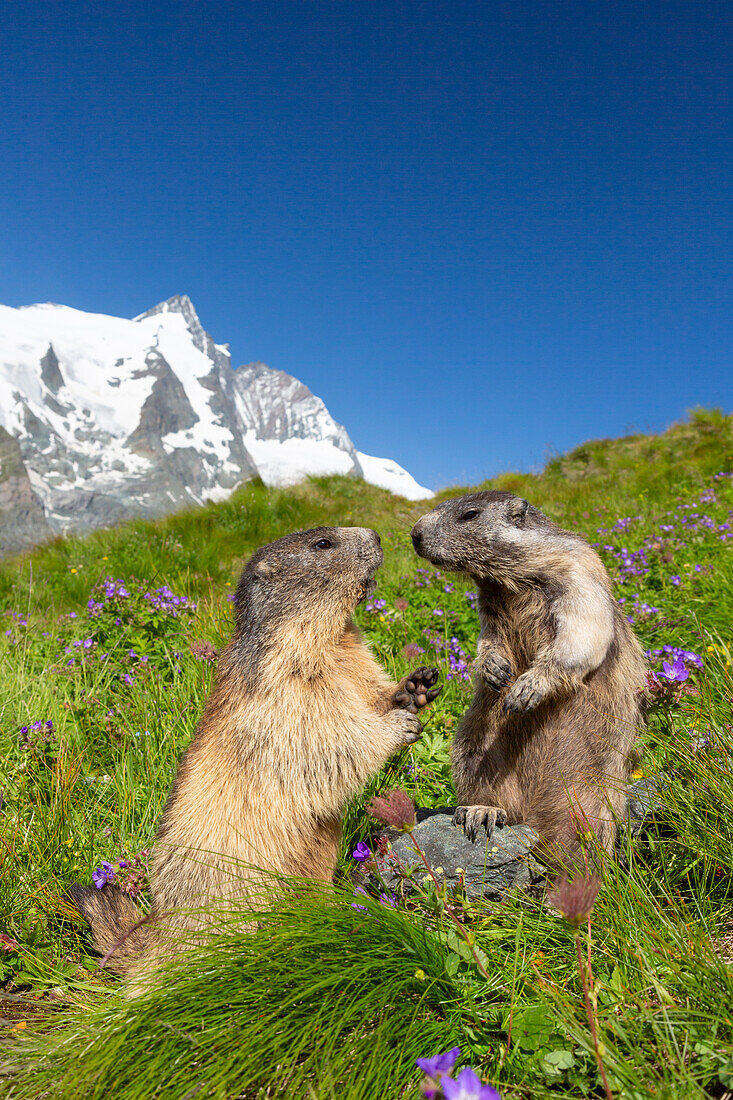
461	929
591	1017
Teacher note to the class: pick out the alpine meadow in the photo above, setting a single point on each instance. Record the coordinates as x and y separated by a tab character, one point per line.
109	651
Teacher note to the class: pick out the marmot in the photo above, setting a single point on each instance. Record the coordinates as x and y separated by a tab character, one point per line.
559	676
300	718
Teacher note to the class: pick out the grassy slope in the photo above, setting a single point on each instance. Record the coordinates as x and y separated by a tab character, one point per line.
92	787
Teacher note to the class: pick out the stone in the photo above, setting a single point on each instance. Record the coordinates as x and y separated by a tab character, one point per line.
642	805
489	869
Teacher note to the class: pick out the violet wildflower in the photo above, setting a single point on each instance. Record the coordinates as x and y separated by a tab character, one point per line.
103	874
355	905
441	1063
676	672
467	1086
361	853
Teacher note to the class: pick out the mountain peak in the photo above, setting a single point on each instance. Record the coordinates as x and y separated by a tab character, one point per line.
178	303
181	303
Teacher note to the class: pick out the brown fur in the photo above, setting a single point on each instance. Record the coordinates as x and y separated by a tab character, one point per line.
559	677
301	716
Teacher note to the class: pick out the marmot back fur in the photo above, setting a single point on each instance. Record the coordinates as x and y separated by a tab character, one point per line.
300	718
559	676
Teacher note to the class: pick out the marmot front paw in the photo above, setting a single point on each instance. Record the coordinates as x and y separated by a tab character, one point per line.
416	690
407	727
473	817
526	694
494	669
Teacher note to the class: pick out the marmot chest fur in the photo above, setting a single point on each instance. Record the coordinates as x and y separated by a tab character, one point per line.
559	675
300	718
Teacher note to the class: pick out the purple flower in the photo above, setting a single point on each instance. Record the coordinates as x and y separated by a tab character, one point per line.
467	1086
389	900
354	905
103	874
441	1063
676	671
49	724
675	580
361	853
23	729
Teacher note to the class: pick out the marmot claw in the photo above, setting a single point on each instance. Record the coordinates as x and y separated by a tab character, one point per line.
473	817
527	693
494	669
416	690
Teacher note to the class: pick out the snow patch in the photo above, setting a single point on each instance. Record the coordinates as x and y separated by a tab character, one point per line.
288	462
387	474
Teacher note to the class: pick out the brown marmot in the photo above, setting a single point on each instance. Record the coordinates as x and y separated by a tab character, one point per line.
300	718
559	676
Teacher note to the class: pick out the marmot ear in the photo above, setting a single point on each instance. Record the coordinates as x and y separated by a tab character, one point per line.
518	511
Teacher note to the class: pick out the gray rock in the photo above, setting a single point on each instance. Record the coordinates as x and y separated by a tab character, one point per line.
50	370
490	868
642	805
166	409
22	520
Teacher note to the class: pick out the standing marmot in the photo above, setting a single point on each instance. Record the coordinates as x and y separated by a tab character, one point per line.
548	737
301	716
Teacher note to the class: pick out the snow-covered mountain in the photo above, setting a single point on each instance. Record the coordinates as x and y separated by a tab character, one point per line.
104	418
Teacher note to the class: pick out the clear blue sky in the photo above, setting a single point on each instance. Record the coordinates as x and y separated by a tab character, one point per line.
479	231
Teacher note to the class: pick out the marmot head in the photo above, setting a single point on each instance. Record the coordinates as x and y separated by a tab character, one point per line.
491	535
321	574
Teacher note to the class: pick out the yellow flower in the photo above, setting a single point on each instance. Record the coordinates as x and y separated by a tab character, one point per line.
420	975
73	570
711	649
637	774
228	584
105	558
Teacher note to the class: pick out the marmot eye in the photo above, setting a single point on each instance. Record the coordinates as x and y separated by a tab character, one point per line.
470	514
323	544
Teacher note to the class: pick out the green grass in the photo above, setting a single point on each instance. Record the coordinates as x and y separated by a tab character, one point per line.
324	1000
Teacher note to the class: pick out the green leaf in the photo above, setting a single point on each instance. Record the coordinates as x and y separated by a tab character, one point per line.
556	1062
533	1026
